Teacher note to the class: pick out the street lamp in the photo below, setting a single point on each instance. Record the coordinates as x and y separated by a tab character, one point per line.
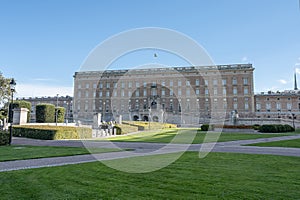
56	113
293	114
12	89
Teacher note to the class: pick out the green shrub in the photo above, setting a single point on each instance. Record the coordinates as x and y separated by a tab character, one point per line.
118	130
60	114
4	137
23	104
207	127
45	113
276	128
52	132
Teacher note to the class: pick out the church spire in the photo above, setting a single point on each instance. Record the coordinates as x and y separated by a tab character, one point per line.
295	84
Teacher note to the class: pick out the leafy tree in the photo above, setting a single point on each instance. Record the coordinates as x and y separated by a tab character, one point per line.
4	95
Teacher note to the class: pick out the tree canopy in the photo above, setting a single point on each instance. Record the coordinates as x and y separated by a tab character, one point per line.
4	94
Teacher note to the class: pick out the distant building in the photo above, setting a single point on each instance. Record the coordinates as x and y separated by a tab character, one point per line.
284	104
278	104
62	101
182	95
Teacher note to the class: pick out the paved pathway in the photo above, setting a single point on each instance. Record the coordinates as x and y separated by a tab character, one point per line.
140	149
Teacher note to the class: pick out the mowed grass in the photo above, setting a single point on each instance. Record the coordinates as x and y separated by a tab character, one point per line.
191	136
284	143
28	152
217	176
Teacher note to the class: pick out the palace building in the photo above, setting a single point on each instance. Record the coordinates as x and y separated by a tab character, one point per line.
181	95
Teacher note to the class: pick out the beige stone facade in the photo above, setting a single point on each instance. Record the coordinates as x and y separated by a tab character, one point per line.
278	104
182	95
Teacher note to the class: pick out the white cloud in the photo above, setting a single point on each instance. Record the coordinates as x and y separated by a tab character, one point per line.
244	59
282	81
31	90
297	70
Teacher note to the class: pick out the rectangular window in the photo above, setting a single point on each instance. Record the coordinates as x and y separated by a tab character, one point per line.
215	91
115	85
171	83
115	93
100	94
122	93
278	106
179	82
87	85
187	83
268	106
171	92
224	81
234	81
197	82
224	91
246	91
79	86
215	82
188	92
235	106
101	85
163	83
94	85
94	94
179	92
206	82
206	91
289	106
197	92
145	93
79	94
246	106
245	81
145	84
137	93
130	85
122	85
107	94
86	94
129	93
258	106
163	92
107	85
234	91
137	84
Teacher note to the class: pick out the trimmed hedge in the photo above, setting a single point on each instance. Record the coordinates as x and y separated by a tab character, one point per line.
45	113
60	114
234	126
4	137
276	128
52	132
207	127
23	104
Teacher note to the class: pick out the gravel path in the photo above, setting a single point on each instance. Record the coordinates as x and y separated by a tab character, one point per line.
139	149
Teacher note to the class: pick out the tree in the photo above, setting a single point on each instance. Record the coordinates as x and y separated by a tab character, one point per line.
4	95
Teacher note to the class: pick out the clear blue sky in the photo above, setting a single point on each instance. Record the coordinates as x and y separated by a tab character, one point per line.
43	43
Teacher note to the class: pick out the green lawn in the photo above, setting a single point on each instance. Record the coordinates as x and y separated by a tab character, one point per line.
217	176
284	143
29	152
187	135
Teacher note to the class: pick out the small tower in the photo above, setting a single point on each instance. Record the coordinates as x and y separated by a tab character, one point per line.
295	83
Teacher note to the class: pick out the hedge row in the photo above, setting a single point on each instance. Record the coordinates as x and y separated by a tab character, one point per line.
52	132
207	127
276	128
4	137
234	126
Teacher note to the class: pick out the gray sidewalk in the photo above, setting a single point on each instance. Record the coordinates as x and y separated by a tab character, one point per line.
139	149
